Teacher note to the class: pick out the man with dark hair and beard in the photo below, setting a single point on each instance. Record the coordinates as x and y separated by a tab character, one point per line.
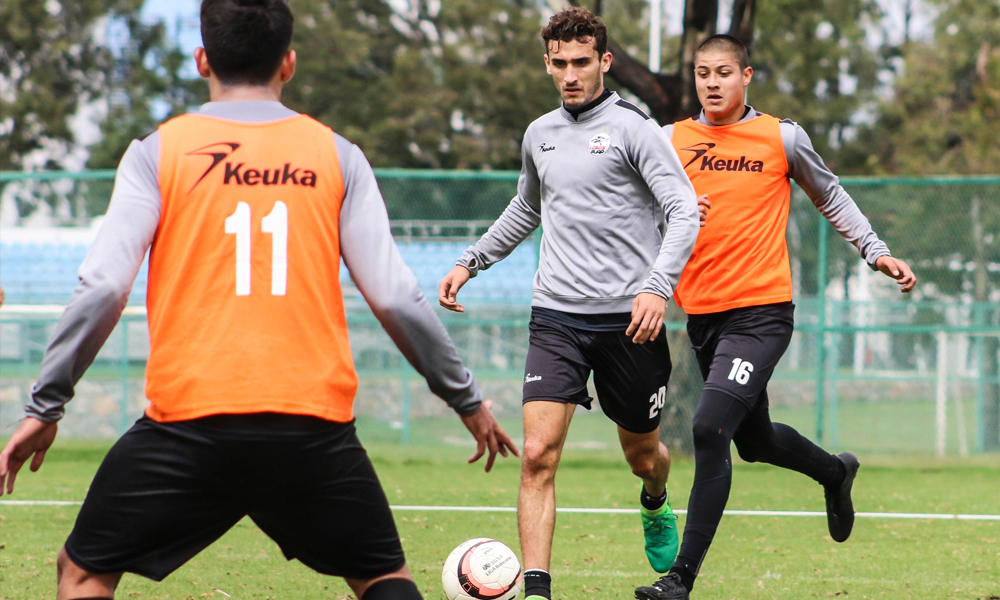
619	219
248	208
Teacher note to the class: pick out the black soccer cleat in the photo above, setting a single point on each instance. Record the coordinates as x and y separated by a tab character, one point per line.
668	587
839	508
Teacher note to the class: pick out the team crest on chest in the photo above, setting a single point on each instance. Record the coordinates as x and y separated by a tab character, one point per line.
599	144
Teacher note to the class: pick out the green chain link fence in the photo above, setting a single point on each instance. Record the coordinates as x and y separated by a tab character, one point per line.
867	369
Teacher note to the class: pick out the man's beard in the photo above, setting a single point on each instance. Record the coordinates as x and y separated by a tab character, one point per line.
587	96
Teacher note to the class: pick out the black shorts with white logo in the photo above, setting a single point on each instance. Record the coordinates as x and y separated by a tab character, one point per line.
166	491
630	379
738	349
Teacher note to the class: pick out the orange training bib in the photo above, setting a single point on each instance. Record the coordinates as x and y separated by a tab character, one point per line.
741	258
244	301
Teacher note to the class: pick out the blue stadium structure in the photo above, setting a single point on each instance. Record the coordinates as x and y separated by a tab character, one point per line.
45	272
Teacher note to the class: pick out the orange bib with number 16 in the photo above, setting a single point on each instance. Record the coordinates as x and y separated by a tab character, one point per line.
740	258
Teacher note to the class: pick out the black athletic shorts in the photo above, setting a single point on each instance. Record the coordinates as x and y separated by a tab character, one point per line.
166	491
738	349
631	379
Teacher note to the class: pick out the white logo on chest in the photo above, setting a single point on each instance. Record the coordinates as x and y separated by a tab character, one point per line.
600	143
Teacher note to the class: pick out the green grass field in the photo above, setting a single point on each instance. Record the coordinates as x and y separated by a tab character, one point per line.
595	556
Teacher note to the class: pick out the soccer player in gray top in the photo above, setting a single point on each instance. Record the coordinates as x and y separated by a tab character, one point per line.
620	219
737	292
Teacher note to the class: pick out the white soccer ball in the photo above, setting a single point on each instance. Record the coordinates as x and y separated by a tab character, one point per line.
481	569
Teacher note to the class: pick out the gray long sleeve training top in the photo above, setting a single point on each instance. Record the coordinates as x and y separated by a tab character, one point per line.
807	169
619	215
366	245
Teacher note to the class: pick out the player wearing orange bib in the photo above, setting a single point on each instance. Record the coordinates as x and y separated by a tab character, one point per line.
737	292
246	208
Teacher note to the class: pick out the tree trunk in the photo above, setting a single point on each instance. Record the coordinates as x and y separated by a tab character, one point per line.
672	96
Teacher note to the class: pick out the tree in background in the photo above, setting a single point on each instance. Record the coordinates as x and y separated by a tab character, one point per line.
49	65
53	61
944	113
144	88
451	85
944	118
811	63
671	96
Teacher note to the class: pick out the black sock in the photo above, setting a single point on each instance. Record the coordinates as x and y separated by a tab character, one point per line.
652	502
538	583
393	589
687	577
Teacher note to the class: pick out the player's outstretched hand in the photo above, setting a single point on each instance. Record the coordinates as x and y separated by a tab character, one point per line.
647	317
703	206
898	270
449	286
489	435
33	437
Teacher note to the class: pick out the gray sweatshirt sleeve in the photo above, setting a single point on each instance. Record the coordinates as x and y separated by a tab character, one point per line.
823	187
654	157
390	288
521	217
106	278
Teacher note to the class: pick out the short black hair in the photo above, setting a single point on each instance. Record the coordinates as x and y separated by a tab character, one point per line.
576	23
725	43
245	40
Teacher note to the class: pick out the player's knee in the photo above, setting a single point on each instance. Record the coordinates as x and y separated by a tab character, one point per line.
63	565
643	460
644	466
538	457
708	434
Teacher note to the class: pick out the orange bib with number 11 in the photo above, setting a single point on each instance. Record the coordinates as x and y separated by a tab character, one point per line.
244	302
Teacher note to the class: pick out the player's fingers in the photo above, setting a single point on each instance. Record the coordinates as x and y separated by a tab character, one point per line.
36	461
636	318
11	476
480	449
506	441
645	328
443	286
657	328
492	443
636	322
453	297
893	266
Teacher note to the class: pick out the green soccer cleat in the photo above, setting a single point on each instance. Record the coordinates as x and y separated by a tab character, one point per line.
660	528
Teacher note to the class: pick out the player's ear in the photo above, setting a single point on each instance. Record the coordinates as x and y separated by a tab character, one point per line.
747	76
288	66
606	62
201	61
548	65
